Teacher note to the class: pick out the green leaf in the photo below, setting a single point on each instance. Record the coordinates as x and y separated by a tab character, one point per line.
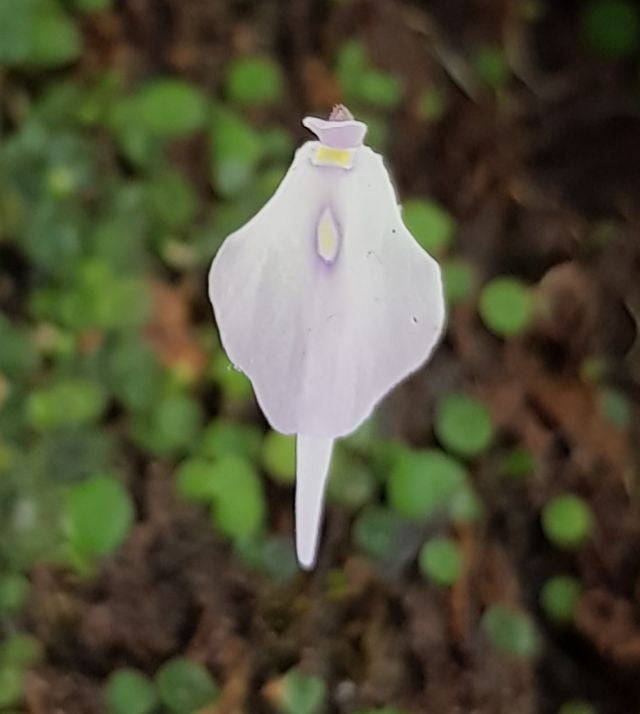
492	66
173	199
518	463
20	650
254	81
351	62
14	590
463	425
611	28
559	597
18	356
378	532
616	407
567	521
424	482
441	561
431	225
459	278
228	438
37	33
98	516
274	555
92	6
511	631
185	686
197	480
279	456
351	482
171	427
379	89
71	402
432	104
302	693
128	691
170	107
506	306
235	152
234	384
577	706
239	504
11	684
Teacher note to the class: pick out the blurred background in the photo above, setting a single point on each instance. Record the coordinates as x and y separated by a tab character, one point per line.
481	551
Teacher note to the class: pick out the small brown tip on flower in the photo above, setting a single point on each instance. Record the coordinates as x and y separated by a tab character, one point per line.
340	113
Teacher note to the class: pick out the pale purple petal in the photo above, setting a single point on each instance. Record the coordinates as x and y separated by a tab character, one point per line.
347	134
313	456
324	340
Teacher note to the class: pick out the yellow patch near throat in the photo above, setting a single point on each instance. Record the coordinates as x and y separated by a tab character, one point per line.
327	237
328	156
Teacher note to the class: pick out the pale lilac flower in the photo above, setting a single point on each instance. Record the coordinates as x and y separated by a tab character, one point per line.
326	302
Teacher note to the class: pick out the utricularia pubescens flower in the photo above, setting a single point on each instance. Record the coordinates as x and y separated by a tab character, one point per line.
326	302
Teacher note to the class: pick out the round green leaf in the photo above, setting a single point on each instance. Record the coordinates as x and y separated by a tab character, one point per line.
611	28
228	438
506	306
616	407
196	480
511	631
235	152
377	531
463	425
92	5
254	81
567	521
279	456
98	516
70	402
170	107
577	706
492	66
518	463
20	650
432	104
458	277
239	502
172	426
302	693
379	89
351	482
11	683
441	561
185	686
423	482
128	691
430	224
14	590
559	597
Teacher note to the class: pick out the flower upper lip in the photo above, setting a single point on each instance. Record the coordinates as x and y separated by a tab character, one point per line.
344	134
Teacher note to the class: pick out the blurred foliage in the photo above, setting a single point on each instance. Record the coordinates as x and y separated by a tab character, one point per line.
130	692
506	306
567	521
185	687
511	631
441	561
559	597
115	189
301	693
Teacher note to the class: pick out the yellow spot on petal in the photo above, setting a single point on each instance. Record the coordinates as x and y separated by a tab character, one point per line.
328	238
328	156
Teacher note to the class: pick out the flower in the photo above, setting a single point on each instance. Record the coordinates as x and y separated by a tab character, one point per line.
326	302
